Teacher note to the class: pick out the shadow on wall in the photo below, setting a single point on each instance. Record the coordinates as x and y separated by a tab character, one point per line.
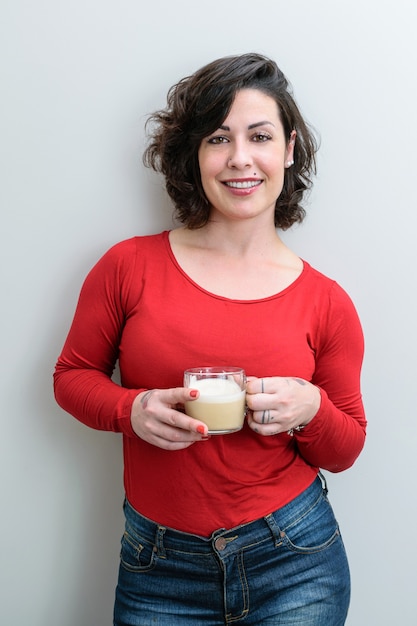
82	506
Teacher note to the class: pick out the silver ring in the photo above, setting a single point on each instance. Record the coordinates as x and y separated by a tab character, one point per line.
266	416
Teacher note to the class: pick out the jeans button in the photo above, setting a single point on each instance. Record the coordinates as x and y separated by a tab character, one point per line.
220	543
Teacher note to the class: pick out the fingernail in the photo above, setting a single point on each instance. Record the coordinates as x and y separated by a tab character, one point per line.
193	393
201	429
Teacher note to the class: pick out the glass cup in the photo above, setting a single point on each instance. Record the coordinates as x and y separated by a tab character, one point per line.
221	402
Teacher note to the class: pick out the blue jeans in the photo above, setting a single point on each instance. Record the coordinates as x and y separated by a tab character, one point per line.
287	568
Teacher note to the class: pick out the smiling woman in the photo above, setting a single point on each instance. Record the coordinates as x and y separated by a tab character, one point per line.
198	107
241	522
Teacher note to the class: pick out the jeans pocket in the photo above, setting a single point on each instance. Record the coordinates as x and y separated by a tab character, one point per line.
314	530
136	556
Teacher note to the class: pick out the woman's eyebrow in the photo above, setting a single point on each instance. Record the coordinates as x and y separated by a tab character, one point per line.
263	123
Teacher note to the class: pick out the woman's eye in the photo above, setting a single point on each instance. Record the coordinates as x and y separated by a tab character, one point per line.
218	139
259	137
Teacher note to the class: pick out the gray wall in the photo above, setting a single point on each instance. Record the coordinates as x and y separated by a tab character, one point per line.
78	79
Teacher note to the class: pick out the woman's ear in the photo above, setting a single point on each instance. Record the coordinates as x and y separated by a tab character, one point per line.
289	154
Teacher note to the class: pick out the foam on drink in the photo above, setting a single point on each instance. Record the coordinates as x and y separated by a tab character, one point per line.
212	389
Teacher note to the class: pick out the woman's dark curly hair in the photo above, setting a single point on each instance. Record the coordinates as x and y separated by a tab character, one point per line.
196	107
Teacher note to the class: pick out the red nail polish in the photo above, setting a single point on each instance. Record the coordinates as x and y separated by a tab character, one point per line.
200	429
193	393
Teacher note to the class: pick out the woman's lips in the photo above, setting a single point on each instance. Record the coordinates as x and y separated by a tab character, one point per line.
242	184
243	187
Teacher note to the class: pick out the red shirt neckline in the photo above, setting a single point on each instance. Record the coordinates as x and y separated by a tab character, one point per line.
280	294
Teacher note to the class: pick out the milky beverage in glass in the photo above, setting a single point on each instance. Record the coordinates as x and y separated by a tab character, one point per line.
221	402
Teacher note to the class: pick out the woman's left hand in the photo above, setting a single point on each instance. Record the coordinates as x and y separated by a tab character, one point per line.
280	404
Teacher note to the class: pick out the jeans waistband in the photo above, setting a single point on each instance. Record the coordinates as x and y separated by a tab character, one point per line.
223	540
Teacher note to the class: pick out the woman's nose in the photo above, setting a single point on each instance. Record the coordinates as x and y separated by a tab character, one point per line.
239	156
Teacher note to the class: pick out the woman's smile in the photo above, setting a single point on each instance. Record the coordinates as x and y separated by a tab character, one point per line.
243	186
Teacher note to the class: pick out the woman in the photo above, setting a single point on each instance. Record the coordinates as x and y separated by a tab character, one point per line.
238	527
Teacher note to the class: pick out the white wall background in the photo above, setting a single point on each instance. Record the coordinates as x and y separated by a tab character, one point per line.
78	79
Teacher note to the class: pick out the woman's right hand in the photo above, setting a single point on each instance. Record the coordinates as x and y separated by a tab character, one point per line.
156	418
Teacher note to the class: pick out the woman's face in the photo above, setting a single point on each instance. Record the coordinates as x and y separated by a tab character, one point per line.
242	164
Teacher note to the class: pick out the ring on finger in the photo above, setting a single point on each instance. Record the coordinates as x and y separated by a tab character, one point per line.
266	416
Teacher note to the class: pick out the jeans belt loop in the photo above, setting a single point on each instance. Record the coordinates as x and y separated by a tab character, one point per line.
276	532
159	542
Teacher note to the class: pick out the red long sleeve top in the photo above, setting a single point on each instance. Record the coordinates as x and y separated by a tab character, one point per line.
138	307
